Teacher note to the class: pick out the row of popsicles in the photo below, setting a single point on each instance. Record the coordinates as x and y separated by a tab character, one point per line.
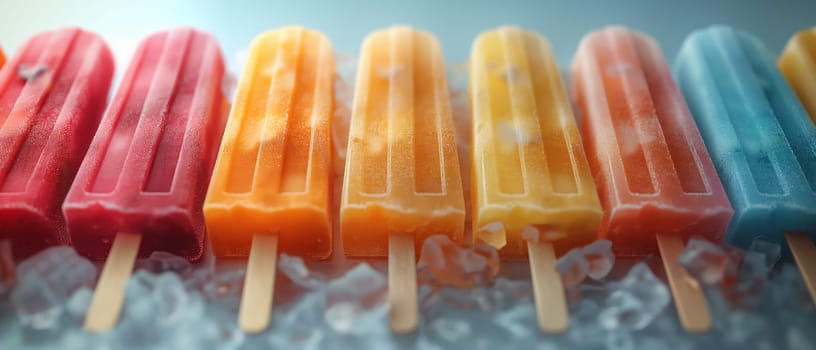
736	158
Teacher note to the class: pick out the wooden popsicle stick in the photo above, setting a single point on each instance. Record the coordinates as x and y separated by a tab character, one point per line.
109	296
402	284
259	284
804	252
7	267
548	291
686	291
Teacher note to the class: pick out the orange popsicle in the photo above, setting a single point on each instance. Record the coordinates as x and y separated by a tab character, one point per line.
402	181
2	58
272	179
402	173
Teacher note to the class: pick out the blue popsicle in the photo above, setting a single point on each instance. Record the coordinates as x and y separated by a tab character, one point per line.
760	138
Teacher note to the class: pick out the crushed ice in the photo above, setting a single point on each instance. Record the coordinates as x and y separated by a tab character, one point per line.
464	303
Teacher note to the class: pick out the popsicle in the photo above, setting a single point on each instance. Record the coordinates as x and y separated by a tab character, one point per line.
798	65
52	95
272	182
762	142
2	58
656	181
402	181
530	172
142	184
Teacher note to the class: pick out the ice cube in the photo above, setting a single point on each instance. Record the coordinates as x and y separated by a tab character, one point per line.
225	290
442	262
744	328
160	262
707	262
600	259
295	269
771	251
635	302
752	273
520	320
511	292
156	308
46	281
573	268
789	293
798	338
584	328
36	304
618	340
77	306
355	300
449	329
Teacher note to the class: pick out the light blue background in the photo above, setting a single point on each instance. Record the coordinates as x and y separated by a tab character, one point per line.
455	22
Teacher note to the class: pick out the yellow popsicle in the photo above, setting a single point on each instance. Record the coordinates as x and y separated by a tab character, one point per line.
271	184
532	187
798	65
530	173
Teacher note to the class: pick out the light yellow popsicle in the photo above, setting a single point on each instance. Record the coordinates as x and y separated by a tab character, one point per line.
533	194
798	65
530	173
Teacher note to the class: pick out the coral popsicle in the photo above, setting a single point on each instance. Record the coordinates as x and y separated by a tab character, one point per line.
656	181
143	182
402	181
52	95
530	173
273	177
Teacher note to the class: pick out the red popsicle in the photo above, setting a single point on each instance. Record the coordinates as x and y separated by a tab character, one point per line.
52	94
148	168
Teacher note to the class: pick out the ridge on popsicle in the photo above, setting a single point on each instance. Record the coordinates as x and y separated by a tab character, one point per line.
52	95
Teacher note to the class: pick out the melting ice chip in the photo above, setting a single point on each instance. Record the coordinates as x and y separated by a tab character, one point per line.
600	258
573	268
707	262
636	301
29	72
443	262
492	234
771	251
295	269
